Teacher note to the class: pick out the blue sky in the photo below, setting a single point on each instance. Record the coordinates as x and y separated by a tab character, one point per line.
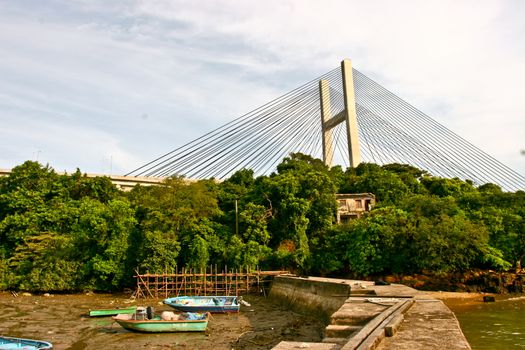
106	86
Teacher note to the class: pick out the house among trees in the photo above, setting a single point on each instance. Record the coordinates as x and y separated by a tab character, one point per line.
351	206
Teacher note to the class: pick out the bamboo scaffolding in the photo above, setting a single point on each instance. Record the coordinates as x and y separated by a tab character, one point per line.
201	282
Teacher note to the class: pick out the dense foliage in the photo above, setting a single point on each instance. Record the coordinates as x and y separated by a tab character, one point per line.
62	233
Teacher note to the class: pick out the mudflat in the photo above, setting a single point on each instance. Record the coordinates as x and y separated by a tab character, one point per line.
62	320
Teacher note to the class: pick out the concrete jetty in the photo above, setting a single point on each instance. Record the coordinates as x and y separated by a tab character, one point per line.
362	315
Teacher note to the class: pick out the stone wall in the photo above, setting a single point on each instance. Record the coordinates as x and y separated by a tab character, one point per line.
304	295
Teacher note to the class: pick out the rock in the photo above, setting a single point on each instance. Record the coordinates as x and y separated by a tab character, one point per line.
418	284
380	282
390	279
26	294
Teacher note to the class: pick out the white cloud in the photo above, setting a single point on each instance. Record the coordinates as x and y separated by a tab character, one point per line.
156	74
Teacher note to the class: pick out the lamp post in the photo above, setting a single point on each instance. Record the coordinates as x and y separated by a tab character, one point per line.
236	218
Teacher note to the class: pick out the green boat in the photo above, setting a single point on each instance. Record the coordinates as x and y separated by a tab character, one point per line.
185	322
113	312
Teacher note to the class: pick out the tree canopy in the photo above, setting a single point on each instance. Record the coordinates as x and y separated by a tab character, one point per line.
71	232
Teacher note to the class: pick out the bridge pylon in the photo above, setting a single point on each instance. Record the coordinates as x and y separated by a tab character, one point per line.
348	115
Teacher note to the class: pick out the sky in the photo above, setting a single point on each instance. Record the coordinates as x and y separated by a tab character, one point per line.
106	86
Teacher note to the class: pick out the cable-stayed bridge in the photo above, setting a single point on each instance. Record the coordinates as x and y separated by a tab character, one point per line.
342	117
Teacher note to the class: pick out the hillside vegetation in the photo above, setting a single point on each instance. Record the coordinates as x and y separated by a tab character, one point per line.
70	233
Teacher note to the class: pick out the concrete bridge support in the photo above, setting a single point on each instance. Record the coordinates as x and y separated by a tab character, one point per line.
348	115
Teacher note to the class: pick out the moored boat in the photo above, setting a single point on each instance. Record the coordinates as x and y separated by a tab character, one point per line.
9	343
112	312
168	322
204	303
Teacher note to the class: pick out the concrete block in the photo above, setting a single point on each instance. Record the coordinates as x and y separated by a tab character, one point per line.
356	313
289	345
335	340
392	326
340	331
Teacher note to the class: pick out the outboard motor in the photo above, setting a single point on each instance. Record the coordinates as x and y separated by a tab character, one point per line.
150	312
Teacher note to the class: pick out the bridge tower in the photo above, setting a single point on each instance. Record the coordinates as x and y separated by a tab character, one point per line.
348	115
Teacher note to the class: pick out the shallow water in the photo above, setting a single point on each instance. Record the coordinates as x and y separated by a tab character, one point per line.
62	320
494	326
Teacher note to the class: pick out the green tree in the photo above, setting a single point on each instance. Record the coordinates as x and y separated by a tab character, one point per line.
79	186
253	223
447	187
101	235
172	215
385	185
43	263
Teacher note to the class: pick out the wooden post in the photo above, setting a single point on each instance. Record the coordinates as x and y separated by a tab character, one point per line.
177	280
258	289
184	280
236	282
192	284
138	283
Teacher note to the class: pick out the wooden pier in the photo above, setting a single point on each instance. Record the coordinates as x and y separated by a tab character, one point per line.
203	282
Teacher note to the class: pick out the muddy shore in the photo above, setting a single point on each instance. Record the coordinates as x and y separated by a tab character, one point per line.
62	320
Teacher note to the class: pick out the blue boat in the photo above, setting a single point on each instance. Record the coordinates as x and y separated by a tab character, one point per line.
214	304
10	343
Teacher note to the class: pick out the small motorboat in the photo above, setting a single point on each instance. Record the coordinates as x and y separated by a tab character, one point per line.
214	304
145	320
11	343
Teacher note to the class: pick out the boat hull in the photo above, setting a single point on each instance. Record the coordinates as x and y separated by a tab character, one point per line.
204	304
212	309
112	312
161	326
8	343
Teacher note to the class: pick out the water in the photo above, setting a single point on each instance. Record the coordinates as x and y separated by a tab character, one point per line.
494	326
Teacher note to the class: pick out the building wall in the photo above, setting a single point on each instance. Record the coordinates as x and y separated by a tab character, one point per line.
353	205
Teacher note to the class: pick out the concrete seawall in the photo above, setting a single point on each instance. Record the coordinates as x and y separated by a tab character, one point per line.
306	295
361	315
